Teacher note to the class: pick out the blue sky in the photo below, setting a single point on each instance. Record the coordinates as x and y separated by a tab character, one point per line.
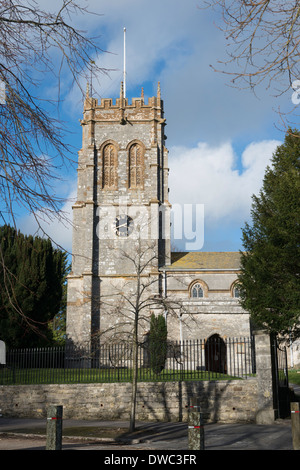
220	139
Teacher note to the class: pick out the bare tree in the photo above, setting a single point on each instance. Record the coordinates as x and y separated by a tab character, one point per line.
263	40
132	303
36	45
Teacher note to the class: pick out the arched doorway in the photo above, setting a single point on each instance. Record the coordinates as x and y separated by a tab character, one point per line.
215	354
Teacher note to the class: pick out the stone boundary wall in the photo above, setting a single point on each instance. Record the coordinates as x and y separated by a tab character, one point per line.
222	401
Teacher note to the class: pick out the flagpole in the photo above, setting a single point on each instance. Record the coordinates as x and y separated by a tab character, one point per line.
124	71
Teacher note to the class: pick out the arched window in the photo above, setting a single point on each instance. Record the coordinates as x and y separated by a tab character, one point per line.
236	291
197	290
109	167
135	166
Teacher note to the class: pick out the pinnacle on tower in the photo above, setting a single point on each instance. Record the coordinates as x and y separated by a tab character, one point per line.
158	90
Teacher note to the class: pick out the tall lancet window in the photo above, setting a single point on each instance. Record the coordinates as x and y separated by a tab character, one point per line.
109	167
136	163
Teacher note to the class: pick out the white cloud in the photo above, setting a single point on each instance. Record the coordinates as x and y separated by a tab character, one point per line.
210	176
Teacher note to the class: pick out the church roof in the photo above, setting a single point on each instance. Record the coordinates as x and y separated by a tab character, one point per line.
204	260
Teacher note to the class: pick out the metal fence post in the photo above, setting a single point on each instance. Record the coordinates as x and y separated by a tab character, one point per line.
195	426
54	428
295	418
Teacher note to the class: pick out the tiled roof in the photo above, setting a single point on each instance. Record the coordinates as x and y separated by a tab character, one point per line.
205	260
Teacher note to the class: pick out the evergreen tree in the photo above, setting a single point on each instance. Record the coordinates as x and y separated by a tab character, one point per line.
31	287
58	323
270	274
158	343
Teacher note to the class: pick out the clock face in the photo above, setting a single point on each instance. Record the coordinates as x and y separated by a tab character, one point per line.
124	225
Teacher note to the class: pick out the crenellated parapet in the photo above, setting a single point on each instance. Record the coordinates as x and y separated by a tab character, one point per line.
121	110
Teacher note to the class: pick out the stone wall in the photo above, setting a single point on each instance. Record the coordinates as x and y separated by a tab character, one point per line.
224	401
221	401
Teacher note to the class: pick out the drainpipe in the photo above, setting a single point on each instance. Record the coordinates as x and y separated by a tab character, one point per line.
165	294
180	327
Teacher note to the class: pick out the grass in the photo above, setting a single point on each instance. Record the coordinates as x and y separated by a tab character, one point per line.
294	376
48	376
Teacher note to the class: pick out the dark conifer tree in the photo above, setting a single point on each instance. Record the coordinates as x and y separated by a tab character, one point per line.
32	274
158	343
270	277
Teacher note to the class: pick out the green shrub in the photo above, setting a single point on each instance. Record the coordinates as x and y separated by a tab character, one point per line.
158	343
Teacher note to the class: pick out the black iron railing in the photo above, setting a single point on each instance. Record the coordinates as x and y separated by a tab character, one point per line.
188	360
281	391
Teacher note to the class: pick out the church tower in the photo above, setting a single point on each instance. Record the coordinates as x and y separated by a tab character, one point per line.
122	203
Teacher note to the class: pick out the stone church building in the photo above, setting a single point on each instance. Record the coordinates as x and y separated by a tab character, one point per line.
122	259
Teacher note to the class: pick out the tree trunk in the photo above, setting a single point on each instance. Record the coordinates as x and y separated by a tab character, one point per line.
134	389
134	374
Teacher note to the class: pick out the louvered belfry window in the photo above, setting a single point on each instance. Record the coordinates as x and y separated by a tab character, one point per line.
136	166
109	167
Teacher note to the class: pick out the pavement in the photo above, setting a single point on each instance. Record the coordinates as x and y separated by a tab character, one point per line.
113	436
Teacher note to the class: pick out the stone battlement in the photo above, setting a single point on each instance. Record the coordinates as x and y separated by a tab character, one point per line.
123	103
